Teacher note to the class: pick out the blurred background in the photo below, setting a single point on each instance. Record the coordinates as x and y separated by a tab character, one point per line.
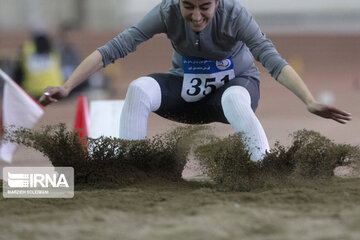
319	38
320	16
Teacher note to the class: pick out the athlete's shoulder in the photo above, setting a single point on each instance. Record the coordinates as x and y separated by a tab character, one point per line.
169	5
170	10
230	8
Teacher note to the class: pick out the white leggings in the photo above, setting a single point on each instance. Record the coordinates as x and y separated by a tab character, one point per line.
144	96
236	105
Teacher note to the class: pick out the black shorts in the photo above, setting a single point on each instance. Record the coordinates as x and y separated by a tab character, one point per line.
206	110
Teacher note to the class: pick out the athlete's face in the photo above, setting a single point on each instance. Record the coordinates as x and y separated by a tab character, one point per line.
198	13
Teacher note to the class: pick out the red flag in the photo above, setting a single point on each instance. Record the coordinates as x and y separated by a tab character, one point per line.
18	110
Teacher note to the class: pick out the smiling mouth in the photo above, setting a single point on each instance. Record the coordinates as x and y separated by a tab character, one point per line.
198	23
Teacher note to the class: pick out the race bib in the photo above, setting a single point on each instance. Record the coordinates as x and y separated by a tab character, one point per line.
202	77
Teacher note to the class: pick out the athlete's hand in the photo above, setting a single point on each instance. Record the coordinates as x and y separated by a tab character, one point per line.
330	112
53	94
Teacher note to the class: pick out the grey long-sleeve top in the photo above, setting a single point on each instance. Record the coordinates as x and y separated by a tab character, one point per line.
232	32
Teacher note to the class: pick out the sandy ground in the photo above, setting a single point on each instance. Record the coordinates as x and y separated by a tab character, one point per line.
166	210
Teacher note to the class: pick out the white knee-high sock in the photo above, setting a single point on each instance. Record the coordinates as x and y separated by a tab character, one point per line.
236	104
143	96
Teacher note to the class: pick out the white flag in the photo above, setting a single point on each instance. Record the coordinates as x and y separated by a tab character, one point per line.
19	110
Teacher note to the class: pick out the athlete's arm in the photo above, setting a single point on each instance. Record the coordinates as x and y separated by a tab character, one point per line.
291	80
89	66
118	47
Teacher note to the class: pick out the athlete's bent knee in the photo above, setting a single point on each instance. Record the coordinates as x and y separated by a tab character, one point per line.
236	93
145	89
